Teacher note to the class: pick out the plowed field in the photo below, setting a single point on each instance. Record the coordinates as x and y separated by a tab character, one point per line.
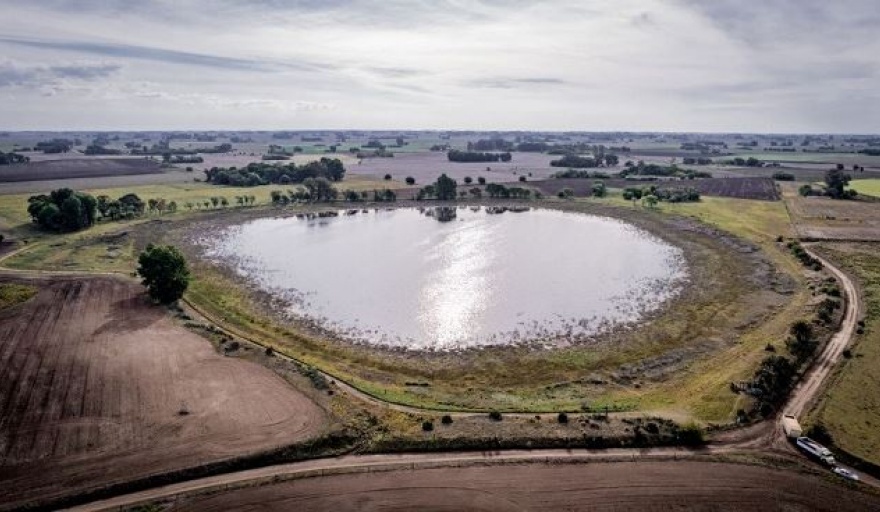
97	386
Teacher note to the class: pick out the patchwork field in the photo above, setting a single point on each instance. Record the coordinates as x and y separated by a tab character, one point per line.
100	387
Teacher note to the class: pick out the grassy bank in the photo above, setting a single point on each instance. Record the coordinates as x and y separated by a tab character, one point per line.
719	336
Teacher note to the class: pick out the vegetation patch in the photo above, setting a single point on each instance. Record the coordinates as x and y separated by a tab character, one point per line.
12	294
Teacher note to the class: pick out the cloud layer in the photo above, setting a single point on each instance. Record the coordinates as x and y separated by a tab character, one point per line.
674	65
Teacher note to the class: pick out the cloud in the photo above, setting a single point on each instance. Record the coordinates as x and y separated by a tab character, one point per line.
129	51
13	74
513	83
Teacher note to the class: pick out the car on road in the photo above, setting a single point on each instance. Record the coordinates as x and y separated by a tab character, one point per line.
846	473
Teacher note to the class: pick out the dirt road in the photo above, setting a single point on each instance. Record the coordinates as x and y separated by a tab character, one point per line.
810	385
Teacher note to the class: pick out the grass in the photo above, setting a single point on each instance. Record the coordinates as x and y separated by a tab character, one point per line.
704	390
866	187
12	294
850	408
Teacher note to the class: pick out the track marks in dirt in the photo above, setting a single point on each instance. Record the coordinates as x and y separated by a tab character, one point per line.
93	380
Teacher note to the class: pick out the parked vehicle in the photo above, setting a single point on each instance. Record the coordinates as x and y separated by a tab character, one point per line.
816	450
846	473
791	427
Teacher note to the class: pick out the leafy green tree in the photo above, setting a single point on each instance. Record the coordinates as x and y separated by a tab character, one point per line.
445	187
599	189
164	272
836	181
63	210
650	200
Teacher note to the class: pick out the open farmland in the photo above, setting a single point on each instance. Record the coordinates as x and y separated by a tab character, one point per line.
608	486
740	188
78	168
99	387
820	217
866	187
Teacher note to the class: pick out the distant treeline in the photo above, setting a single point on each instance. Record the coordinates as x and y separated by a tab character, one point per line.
578	174
13	158
672	171
688	160
585	162
261	173
456	155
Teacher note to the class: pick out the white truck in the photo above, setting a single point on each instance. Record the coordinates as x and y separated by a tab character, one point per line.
816	450
791	427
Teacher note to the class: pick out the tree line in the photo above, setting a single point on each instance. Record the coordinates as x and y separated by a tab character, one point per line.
13	158
456	155
255	174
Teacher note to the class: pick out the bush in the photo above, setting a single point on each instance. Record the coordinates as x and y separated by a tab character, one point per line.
468	180
820	434
387	177
522	179
427	426
690	435
562	418
446	419
269	351
495	416
481	180
410	180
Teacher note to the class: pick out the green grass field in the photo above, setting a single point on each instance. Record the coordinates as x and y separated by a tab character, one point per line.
850	409
12	294
866	187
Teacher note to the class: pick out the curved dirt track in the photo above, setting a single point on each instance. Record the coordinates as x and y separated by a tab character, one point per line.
97	387
806	391
596	486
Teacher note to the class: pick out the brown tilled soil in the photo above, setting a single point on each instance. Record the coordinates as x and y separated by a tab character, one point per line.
97	386
78	168
602	486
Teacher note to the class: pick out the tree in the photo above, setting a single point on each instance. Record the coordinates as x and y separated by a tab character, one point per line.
650	200
410	180
481	180
836	181
387	177
63	210
445	188
468	180
164	272
320	189
599	189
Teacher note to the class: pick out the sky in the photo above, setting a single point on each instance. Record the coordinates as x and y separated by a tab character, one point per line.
783	66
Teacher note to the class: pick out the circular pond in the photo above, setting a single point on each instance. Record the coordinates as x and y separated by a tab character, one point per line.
446	278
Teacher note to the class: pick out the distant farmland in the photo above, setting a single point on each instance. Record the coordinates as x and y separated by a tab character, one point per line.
741	188
78	168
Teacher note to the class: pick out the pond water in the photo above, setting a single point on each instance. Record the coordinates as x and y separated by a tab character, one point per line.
455	278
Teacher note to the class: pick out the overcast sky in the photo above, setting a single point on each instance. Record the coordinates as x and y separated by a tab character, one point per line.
666	65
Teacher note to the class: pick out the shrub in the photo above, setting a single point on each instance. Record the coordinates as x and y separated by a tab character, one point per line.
468	180
562	418
410	180
495	416
847	353
819	433
427	426
690	435
446	419
387	177
522	179
269	351
481	180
